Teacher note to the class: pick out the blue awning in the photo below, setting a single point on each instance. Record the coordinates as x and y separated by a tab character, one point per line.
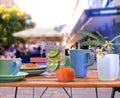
92	19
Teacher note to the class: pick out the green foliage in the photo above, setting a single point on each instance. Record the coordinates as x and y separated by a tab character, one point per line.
107	46
97	39
12	20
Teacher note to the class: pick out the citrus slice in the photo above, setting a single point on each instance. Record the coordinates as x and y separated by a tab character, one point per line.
53	52
53	66
60	57
55	59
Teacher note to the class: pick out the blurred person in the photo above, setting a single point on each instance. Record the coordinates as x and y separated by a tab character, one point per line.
44	53
18	52
34	52
43	45
39	51
25	50
11	50
6	53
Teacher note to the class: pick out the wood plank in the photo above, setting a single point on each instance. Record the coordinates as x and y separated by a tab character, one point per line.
91	81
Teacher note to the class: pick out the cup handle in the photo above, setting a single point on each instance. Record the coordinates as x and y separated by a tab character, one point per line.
16	66
91	59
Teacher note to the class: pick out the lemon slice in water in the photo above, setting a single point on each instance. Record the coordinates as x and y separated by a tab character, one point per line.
53	52
53	65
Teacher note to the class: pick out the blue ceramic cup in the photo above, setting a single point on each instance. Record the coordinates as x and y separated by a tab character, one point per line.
80	60
9	66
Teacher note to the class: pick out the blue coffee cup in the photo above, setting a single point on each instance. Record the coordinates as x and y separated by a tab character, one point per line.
80	59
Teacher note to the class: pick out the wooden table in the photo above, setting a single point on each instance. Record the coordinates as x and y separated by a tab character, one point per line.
91	81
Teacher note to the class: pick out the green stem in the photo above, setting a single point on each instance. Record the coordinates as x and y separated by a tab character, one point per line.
115	38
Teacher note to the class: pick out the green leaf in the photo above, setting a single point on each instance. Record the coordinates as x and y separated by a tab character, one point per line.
115	38
97	37
100	35
92	42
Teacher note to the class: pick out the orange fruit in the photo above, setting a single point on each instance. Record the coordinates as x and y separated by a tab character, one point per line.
65	74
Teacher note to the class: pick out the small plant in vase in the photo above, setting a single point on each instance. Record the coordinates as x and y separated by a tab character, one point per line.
107	59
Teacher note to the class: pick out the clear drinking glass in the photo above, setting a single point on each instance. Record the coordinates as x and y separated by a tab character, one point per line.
55	58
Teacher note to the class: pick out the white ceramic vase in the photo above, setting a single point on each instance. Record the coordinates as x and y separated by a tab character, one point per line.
108	67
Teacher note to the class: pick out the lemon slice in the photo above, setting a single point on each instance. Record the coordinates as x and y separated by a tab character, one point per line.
53	52
53	66
55	59
60	57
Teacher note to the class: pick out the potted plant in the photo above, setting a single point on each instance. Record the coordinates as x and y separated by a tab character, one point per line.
107	59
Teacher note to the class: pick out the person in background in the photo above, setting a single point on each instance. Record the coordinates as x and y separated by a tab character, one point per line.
11	50
6	53
44	53
39	51
34	52
18	52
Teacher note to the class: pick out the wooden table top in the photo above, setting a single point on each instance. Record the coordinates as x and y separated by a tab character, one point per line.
90	81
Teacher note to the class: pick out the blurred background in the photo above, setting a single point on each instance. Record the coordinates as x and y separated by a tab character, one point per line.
39	19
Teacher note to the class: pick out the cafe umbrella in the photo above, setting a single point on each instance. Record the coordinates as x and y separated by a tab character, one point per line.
39	34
